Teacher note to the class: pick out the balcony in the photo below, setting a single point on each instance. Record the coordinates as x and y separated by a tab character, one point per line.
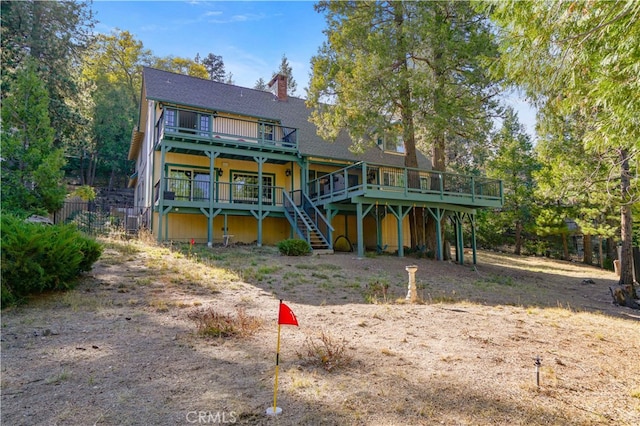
194	193
383	183
213	129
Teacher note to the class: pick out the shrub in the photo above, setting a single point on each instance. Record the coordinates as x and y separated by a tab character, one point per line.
328	353
37	258
214	324
294	247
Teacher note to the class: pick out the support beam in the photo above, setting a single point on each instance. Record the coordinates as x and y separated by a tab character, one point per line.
213	178
472	220
259	215
360	230
330	214
400	215
457	218
437	215
163	156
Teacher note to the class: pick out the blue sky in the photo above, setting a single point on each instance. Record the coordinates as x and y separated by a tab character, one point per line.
251	36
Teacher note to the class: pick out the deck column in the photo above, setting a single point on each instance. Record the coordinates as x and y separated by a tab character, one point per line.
437	214
472	219
260	216
213	177
457	219
163	174
360	230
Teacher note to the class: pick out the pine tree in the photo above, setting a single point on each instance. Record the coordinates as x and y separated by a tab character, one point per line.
31	166
261	85
286	70
215	67
585	59
514	163
410	69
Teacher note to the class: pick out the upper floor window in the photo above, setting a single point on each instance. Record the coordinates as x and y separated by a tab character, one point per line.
391	143
266	131
170	117
187	121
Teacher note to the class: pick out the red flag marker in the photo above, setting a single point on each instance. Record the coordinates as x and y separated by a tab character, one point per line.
285	317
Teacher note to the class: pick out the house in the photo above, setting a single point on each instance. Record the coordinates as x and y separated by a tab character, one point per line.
218	162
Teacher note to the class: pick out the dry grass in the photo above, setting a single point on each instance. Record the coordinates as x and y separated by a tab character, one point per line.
325	351
214	324
121	348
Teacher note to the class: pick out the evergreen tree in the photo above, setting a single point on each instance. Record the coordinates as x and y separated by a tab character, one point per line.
55	35
261	85
215	67
31	166
286	70
514	163
572	177
585	55
409	69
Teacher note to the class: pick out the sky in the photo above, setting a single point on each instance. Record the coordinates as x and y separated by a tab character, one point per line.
251	36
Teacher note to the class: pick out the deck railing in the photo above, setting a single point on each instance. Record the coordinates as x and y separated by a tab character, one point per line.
368	177
204	126
192	190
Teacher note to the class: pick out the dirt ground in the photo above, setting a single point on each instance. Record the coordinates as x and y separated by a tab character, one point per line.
121	349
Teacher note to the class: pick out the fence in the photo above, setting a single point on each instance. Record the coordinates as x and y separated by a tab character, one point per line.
97	218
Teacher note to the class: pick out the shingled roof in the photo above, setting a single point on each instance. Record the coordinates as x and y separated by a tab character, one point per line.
164	86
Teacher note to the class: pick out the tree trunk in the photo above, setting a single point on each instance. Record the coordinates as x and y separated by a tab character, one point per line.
565	248
587	250
626	256
518	247
408	128
600	253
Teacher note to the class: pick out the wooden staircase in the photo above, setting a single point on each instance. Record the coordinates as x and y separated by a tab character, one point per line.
317	242
308	221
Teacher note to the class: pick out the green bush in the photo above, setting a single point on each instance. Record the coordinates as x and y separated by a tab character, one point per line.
294	247
37	258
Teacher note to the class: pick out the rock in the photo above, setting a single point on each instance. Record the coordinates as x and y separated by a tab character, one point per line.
588	281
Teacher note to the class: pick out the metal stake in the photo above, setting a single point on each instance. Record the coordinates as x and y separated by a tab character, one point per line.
538	363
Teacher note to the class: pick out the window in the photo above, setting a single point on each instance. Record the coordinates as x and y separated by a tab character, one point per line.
189	185
391	144
393	178
170	117
246	189
205	125
179	183
187	120
201	186
266	131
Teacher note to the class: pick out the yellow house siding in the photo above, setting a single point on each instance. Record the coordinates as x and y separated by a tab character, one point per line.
245	229
184	227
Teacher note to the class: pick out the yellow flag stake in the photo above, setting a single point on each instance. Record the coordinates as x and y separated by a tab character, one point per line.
275	410
286	317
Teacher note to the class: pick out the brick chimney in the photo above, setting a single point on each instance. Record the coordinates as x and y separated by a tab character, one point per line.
278	85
